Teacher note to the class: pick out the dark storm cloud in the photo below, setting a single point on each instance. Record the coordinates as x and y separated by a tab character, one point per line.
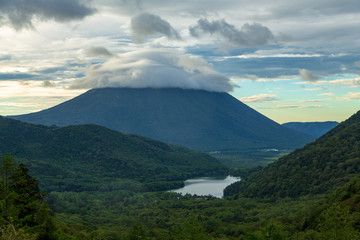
249	35
146	25
22	13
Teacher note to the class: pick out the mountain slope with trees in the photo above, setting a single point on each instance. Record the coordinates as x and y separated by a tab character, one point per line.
319	167
198	119
94	158
336	216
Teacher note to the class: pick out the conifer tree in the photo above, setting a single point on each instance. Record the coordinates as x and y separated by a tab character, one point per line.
26	196
7	167
22	207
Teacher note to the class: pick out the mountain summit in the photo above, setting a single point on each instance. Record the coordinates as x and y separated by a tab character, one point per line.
202	120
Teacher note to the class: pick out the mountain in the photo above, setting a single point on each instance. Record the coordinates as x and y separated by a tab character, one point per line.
316	129
198	119
319	167
94	158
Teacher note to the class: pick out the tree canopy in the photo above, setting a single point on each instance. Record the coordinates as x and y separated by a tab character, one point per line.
319	167
24	213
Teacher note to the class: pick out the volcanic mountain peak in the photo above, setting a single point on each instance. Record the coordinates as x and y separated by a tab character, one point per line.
198	119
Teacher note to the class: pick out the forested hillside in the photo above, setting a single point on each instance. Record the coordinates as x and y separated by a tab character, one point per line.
112	207
174	217
336	216
319	167
94	158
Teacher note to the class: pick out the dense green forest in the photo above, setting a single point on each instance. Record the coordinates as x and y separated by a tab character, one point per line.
165	215
173	216
107	206
319	167
93	158
23	208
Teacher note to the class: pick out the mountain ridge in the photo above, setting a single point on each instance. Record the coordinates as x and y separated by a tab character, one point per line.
319	167
198	119
316	129
91	157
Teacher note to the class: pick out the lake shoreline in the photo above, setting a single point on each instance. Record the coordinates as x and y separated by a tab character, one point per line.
207	186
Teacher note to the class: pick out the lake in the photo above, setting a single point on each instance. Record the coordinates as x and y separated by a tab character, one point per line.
206	186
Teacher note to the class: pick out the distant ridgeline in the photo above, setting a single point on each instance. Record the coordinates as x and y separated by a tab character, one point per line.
94	158
316	129
198	119
319	167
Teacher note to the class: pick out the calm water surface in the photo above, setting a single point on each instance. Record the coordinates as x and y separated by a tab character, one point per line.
207	186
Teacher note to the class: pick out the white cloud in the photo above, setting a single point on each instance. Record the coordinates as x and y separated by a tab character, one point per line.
25	97
312	100
252	77
259	98
345	81
249	35
48	84
350	96
99	52
294	107
155	69
326	94
307	75
260	79
21	14
274	55
146	25
57	52
313	89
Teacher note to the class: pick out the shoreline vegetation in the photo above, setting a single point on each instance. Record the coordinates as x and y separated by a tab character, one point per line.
165	215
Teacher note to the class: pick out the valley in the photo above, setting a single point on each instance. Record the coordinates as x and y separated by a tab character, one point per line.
102	184
206	186
179	120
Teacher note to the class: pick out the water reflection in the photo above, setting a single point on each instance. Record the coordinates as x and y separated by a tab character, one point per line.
207	186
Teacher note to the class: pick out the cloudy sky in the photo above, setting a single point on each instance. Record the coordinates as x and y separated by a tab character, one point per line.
290	60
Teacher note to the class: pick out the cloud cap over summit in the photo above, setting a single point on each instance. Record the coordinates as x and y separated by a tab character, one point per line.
155	69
